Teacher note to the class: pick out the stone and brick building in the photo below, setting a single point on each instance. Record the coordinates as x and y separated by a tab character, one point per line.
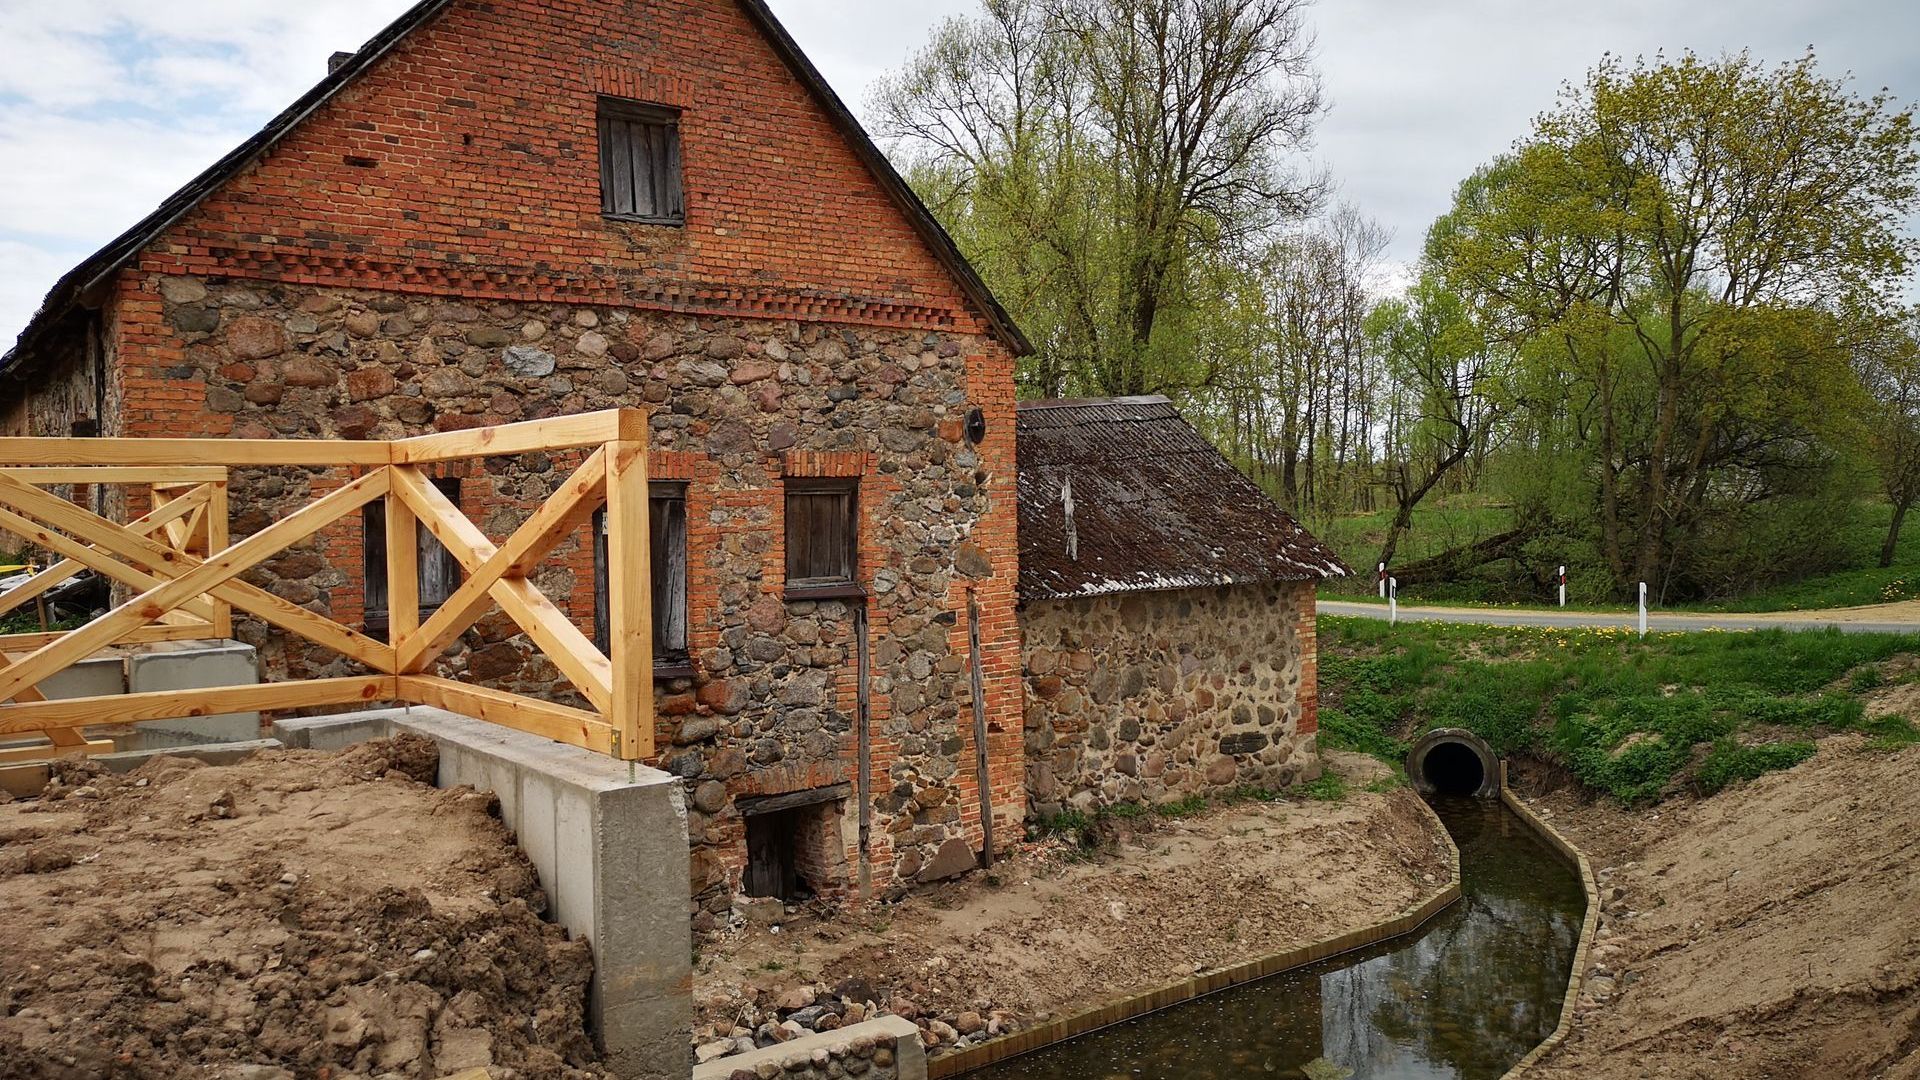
1167	606
508	209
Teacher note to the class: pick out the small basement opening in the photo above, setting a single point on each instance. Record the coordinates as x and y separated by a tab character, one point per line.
1454	769
795	849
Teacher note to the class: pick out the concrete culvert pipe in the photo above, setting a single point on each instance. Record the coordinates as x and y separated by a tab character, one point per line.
1450	761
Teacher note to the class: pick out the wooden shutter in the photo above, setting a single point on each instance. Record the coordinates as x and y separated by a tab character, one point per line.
667	505
821	534
640	162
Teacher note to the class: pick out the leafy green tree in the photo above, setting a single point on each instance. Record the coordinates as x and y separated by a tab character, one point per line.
1100	159
1693	250
1892	375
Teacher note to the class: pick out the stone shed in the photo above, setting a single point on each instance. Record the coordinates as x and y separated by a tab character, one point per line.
1167	606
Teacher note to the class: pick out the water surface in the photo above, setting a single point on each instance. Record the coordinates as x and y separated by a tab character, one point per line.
1463	998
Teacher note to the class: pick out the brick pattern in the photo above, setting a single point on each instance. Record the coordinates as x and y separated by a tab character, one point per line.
426	253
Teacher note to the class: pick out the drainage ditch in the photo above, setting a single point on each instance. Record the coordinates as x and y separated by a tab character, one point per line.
1464	998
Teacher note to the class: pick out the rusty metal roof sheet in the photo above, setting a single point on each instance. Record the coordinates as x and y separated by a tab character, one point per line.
1123	495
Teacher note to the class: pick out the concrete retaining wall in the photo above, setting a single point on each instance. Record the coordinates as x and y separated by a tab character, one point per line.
887	1048
608	839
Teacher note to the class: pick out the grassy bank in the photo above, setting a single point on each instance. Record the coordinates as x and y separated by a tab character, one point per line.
1635	719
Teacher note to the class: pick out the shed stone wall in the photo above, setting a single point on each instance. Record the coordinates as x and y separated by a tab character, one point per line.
1156	696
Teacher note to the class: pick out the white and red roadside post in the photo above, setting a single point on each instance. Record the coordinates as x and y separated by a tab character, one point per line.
1643	609
1383	581
1563	586
1393	601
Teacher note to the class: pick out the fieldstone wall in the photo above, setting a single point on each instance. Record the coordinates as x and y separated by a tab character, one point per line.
768	701
1155	696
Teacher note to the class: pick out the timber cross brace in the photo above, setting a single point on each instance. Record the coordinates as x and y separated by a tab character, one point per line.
185	576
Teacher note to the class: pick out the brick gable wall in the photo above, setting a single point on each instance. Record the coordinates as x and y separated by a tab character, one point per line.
797	324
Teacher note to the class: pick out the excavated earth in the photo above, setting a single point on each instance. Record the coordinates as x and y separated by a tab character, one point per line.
1770	931
1054	930
297	914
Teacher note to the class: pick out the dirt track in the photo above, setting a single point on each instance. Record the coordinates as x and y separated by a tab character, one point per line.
1045	936
329	916
1772	931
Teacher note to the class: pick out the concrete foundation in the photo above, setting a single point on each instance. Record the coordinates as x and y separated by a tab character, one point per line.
886	1048
609	841
165	665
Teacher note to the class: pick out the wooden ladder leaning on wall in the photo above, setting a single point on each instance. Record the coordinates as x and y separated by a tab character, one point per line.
185	576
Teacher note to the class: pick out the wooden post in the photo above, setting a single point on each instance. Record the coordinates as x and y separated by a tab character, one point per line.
403	571
217	541
630	591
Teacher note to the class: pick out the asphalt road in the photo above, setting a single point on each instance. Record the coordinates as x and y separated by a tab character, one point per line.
1890	619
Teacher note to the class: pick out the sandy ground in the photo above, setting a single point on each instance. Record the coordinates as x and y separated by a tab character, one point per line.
297	914
1045	935
1770	931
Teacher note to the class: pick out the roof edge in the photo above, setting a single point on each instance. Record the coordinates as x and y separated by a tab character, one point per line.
76	286
1095	402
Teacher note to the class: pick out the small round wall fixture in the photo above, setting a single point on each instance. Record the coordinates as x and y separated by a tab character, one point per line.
976	426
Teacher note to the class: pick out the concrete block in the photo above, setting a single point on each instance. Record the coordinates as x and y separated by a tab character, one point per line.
196	666
910	1057
608	839
103	675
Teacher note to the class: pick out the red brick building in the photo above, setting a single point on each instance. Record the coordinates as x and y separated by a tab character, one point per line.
506	209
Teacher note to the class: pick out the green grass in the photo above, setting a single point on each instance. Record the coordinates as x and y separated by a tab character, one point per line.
1627	717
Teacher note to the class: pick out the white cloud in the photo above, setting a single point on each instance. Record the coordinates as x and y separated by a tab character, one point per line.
107	105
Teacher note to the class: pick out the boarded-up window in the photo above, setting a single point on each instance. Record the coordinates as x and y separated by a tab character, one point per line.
439	571
667	531
822	535
640	163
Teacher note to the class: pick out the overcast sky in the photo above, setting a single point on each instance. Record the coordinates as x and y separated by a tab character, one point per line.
106	106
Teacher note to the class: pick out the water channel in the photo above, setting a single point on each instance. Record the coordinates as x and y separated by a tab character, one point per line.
1463	998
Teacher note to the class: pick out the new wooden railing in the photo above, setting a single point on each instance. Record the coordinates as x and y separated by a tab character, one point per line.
185	576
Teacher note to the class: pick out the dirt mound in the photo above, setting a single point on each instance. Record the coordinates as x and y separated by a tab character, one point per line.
327	915
1052	932
1770	931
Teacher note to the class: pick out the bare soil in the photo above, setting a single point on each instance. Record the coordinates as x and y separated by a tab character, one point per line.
1772	930
1053	931
295	915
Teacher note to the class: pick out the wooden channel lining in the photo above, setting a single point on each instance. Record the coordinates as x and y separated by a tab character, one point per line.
1588	926
1117	1012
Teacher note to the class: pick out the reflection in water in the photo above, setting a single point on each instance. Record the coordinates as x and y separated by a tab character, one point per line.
1463	999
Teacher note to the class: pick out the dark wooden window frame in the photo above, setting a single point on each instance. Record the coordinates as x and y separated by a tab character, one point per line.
805	586
671	659
624	127
373	525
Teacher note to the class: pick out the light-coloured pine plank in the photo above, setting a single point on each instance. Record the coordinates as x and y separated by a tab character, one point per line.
17	754
568	508
403	573
630	599
172	453
235	560
116	540
576	727
554	433
575	654
66	568
145	635
172	476
171	704
94	557
217	540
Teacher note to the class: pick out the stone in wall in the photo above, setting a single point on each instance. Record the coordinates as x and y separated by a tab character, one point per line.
1155	696
769	704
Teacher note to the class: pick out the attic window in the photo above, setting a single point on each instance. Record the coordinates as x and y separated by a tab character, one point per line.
640	163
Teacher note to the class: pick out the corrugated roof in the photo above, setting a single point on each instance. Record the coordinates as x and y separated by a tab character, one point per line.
81	287
1123	495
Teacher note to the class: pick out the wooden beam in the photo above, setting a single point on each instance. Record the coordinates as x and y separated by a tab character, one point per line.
630	599
554	433
16	754
145	635
403	574
94	557
173	453
217	540
170	476
163	598
568	508
66	568
575	727
172	704
119	541
575	654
